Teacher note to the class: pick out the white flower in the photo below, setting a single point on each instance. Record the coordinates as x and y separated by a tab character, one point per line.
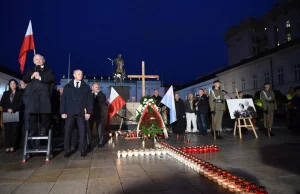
151	100
145	100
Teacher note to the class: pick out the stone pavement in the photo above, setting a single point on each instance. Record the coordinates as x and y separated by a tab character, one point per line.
269	162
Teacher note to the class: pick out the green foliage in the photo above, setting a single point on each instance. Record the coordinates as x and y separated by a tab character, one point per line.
151	124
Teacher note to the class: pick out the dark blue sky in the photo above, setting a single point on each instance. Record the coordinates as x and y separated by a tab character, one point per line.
184	39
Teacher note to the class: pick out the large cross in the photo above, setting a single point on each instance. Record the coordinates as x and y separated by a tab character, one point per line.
143	76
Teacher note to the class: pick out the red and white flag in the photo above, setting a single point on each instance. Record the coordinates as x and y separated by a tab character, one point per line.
115	104
28	44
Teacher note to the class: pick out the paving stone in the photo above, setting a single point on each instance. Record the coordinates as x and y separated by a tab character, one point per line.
109	172
34	188
104	186
103	163
7	188
78	164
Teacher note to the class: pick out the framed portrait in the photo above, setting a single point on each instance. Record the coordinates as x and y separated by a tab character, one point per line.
241	108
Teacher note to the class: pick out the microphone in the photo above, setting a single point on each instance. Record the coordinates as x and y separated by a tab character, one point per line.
224	91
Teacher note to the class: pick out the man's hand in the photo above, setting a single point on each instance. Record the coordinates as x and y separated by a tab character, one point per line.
33	75
64	116
37	75
10	110
87	116
213	113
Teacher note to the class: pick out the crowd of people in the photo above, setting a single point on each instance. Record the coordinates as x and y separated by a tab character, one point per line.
38	106
74	110
198	114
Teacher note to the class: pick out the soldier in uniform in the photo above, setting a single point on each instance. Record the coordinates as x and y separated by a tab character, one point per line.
267	98
217	107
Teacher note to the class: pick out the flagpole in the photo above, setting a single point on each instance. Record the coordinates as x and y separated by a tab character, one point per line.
69	67
34	52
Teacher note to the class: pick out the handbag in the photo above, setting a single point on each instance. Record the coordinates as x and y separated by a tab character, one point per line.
10	118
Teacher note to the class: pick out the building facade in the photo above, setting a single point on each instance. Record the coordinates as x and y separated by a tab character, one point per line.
135	86
253	36
259	51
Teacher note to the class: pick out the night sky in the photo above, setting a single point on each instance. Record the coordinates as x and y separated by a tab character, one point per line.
182	39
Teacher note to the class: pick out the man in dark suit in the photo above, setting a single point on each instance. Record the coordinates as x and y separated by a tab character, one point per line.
76	106
157	98
99	100
202	105
39	79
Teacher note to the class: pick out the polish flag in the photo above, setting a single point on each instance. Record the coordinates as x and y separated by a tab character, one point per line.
115	104
28	44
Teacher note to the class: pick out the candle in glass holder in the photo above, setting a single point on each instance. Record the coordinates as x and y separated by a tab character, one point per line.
220	181
231	184
119	154
216	148
124	153
158	151
244	189
225	182
142	152
214	175
130	153
237	188
147	152
253	186
205	171
152	152
135	152
262	190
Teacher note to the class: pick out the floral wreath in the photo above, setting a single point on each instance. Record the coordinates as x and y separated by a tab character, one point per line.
151	124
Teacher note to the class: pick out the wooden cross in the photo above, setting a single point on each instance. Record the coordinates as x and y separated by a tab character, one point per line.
143	76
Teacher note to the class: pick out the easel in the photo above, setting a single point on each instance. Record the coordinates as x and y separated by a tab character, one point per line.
245	119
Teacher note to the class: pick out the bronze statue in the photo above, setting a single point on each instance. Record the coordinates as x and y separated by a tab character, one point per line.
119	70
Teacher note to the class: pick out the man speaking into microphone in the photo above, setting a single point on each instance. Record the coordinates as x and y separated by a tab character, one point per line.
39	79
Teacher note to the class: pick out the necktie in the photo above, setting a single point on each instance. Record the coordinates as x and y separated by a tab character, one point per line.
77	84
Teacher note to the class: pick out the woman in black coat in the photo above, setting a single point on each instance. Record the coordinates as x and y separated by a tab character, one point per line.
11	102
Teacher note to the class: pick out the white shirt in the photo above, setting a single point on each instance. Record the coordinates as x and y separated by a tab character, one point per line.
79	83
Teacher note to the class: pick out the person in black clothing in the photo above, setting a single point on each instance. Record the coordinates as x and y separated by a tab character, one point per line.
76	106
202	105
179	125
11	102
55	116
39	79
157	98
99	100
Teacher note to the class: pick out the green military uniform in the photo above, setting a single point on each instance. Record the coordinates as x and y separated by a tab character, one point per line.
267	98
217	105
